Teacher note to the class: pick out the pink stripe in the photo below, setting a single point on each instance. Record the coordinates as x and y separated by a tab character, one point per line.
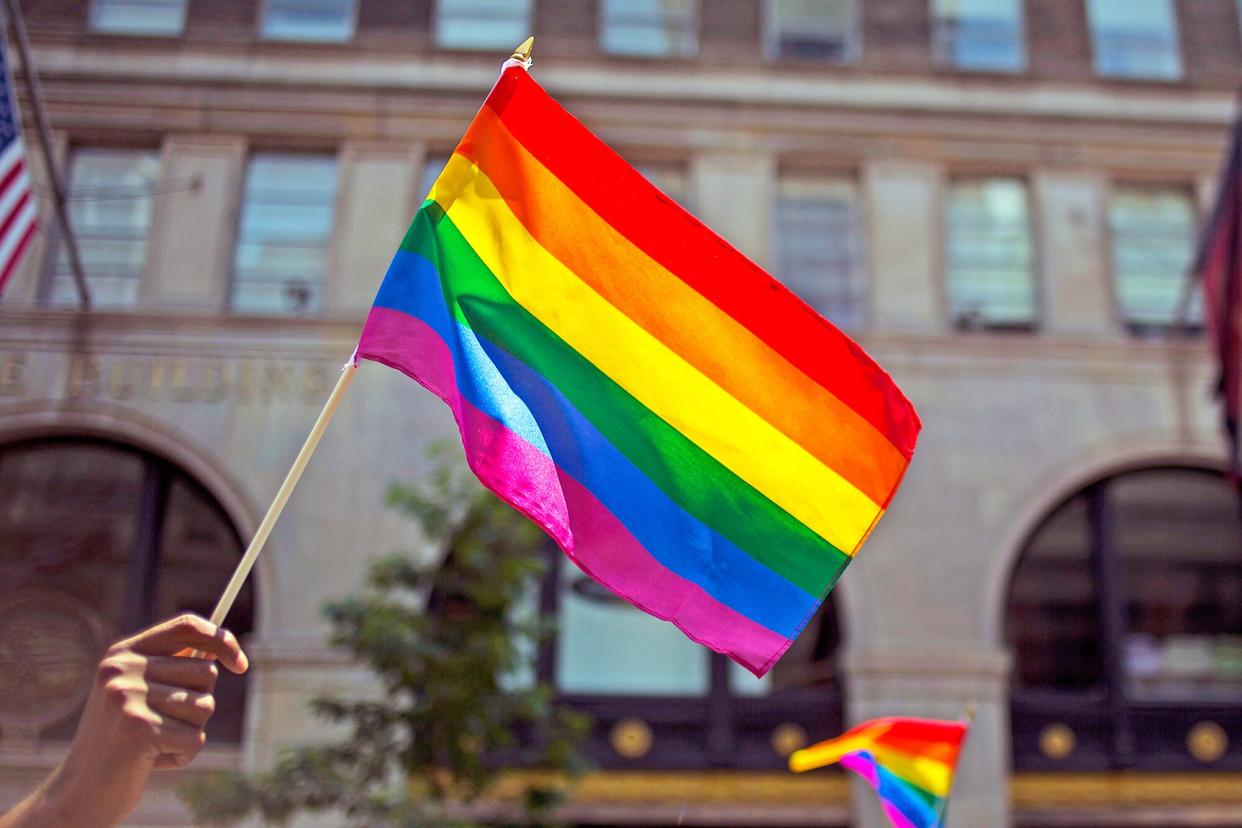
861	766
589	534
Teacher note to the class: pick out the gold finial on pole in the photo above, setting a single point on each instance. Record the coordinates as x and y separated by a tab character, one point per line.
522	52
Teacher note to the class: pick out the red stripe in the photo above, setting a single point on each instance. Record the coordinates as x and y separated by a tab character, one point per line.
12	216
686	247
16	258
12	174
906	732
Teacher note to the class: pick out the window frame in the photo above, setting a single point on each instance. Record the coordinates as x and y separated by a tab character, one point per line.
771	40
1109	717
330	243
95	29
862	265
458	47
55	234
696	21
1177	54
961	322
943	52
1174	327
264	36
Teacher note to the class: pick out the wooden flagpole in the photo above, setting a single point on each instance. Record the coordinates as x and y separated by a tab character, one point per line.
282	496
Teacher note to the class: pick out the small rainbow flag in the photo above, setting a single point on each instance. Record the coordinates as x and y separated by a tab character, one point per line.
691	434
909	762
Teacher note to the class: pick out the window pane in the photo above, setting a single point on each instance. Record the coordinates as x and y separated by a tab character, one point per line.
991	282
651	28
1153	234
110	203
1135	38
314	20
1180	551
281	259
482	24
819	251
979	34
605	646
822	29
140	17
1053	614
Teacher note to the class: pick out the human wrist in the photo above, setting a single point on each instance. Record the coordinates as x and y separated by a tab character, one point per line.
61	803
46	807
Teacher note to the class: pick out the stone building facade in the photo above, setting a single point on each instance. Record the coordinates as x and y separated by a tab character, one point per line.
997	199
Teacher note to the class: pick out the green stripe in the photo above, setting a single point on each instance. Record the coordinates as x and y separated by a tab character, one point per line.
927	796
691	477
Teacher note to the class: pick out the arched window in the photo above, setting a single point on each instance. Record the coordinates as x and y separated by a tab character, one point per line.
1125	618
97	540
659	700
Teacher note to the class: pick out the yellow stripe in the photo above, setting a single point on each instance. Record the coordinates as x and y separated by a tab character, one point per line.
861	737
931	775
665	383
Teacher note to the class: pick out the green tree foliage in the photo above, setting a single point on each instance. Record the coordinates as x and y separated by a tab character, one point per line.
449	649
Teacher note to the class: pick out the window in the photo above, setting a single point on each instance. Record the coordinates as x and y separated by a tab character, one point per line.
1135	38
98	540
819	246
482	24
1125	617
281	261
649	28
138	17
813	29
617	663
311	20
111	196
1153	239
979	34
990	262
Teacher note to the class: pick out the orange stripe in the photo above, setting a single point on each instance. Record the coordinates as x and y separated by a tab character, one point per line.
711	340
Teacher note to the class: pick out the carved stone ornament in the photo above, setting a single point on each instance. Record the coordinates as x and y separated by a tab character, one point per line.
49	644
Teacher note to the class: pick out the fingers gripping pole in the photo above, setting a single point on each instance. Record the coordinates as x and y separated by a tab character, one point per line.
282	497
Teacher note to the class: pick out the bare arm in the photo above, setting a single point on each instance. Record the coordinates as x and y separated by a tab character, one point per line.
146	711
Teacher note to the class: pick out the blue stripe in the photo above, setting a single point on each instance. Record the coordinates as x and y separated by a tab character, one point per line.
895	790
506	389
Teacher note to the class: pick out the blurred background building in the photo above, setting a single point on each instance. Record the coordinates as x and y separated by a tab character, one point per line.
998	199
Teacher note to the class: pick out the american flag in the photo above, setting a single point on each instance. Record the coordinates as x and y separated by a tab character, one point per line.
18	217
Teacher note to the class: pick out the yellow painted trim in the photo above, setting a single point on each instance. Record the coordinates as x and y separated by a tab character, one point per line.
1123	789
716	787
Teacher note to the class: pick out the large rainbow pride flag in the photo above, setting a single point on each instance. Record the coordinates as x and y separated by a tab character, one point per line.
691	434
909	762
